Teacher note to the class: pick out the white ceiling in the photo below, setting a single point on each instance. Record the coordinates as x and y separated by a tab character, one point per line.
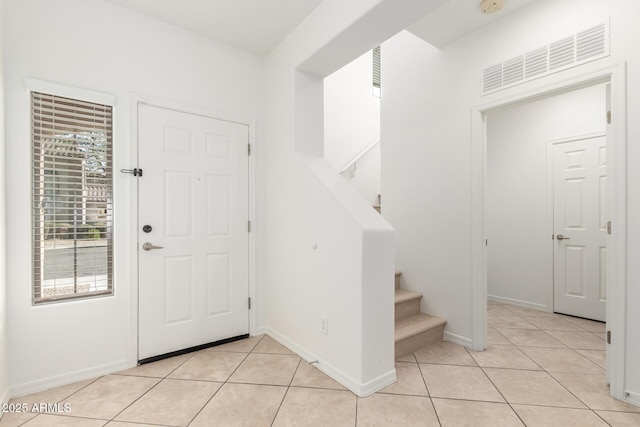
253	25
457	18
259	25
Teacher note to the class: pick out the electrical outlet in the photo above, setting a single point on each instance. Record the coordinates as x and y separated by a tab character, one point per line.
324	325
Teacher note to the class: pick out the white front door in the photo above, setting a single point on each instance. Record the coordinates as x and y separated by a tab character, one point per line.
193	208
580	226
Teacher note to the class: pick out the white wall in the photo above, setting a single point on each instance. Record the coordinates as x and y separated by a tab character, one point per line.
426	176
4	379
366	178
328	253
352	123
107	49
426	124
518	266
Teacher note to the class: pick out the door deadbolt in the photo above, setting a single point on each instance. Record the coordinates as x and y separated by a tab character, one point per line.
147	228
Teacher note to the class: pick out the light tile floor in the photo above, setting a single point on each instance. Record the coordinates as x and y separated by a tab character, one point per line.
540	369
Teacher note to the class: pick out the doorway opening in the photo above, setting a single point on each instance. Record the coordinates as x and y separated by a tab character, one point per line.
616	200
545	203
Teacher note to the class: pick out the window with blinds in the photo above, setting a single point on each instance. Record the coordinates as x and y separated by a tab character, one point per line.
376	71
72	198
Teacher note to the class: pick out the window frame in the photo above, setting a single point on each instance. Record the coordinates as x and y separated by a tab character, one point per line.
37	170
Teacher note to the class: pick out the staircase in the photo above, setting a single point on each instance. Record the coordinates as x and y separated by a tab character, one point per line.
414	329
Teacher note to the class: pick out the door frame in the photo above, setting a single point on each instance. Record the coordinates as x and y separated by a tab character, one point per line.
551	206
135	100
613	73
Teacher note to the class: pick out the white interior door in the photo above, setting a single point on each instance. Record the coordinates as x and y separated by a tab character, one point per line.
193	206
580	226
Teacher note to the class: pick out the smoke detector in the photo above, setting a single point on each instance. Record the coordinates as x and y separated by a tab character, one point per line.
491	6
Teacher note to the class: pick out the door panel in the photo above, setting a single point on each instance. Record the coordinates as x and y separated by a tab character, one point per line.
178	285
580	217
193	289
574	267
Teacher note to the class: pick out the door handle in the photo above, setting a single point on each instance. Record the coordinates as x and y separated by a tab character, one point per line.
561	237
147	246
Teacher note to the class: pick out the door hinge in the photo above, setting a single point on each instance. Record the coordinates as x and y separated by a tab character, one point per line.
609	117
249	226
249	299
249	149
609	227
134	171
608	337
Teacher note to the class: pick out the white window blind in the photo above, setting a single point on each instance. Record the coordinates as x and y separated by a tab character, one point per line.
376	71
72	198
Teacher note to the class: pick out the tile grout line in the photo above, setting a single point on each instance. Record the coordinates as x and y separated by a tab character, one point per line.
275	416
540	346
490	367
567	388
520	348
424	380
544	370
496	387
138	398
246	355
67	416
587	407
355	422
500	391
160	380
295	372
80	389
92	380
562	385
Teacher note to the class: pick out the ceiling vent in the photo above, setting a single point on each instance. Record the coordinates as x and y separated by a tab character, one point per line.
582	47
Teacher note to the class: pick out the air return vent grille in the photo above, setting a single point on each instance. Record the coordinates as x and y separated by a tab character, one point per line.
591	42
561	53
513	70
585	46
492	77
535	63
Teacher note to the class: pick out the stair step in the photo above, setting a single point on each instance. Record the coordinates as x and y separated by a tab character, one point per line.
417	331
407	303
403	295
415	324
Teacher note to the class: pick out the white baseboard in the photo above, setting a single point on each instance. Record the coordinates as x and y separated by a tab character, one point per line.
632	398
360	389
4	398
68	378
377	384
532	305
457	339
260	330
